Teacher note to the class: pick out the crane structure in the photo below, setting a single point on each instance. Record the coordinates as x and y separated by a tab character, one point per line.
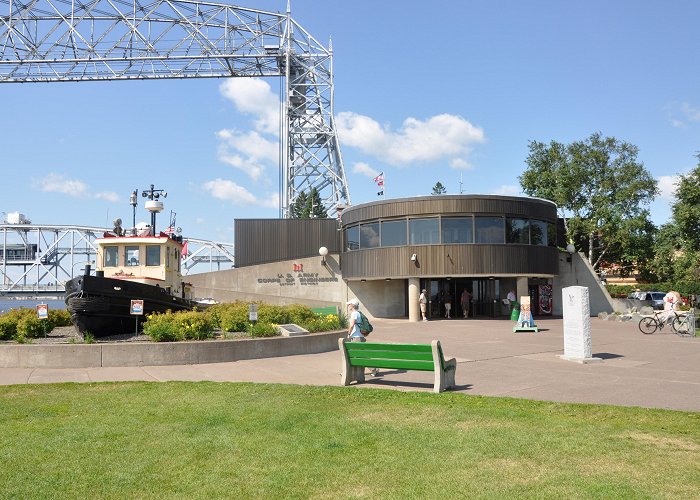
88	40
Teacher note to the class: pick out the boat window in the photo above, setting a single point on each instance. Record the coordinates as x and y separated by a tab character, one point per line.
176	256
457	230
110	257
153	255
167	259
490	229
132	256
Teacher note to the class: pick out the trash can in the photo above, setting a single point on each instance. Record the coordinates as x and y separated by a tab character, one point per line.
515	313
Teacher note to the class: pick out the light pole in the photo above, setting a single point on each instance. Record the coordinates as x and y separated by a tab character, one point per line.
134	201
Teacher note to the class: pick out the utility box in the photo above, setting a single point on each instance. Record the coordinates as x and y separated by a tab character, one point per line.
17	218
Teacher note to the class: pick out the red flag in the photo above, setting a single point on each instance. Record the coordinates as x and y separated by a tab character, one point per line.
184	249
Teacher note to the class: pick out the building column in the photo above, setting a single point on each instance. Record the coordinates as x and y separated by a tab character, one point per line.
521	288
413	296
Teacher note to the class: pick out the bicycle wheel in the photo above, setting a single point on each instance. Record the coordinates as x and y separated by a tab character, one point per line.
648	325
681	326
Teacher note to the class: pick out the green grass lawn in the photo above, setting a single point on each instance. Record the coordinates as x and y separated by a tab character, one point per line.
211	440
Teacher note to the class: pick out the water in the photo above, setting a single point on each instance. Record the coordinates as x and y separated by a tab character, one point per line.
7	304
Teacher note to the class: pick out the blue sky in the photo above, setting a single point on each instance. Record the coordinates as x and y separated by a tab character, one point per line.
423	92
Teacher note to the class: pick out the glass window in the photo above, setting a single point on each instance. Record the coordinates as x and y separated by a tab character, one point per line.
369	235
167	258
538	232
352	238
178	258
489	229
517	231
393	233
424	231
153	255
110	257
551	234
457	230
132	256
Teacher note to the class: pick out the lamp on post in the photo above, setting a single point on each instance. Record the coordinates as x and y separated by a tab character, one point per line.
323	251
570	248
134	201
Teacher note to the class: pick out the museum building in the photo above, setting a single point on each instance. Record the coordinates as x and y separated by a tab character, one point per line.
385	252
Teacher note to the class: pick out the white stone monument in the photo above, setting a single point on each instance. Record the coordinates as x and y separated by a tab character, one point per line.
577	325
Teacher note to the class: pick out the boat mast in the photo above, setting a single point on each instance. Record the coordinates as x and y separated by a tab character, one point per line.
154	205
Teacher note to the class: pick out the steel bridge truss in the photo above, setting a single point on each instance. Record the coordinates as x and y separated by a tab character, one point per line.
36	259
73	40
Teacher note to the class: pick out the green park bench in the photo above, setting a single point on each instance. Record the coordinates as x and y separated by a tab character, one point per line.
325	311
425	357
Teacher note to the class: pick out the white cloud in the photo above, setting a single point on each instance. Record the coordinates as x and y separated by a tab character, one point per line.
254	97
58	183
364	169
227	190
681	115
667	186
507	190
248	152
108	195
691	113
439	137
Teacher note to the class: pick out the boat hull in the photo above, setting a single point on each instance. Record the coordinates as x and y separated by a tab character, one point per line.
102	306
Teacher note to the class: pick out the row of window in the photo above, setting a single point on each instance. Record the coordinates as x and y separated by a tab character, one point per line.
450	230
132	256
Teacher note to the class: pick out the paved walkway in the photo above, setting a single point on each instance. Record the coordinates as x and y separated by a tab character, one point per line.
656	371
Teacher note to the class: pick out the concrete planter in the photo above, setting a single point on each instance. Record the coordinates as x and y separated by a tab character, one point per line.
163	353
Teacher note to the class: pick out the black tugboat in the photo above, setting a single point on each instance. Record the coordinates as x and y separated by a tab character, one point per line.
141	265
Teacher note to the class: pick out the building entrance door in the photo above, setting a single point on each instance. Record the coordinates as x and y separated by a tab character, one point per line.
485	296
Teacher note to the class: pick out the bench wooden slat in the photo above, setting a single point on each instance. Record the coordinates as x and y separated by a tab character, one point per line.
402	364
416	356
371	346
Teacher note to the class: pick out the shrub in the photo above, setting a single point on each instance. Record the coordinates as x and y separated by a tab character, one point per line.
182	325
261	329
59	317
300	314
229	317
269	313
162	328
321	323
8	327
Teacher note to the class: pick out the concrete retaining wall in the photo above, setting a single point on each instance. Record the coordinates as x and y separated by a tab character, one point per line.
163	353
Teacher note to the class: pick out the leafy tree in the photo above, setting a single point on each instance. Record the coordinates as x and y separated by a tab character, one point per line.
309	206
600	188
438	188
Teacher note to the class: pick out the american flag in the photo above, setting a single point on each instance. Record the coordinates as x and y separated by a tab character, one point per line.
170	230
380	183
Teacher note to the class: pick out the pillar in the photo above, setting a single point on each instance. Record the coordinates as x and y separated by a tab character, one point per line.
521	288
413	296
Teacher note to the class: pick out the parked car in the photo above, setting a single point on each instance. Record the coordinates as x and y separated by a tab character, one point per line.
655	299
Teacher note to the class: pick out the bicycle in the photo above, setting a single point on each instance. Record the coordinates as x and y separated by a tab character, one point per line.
684	325
679	323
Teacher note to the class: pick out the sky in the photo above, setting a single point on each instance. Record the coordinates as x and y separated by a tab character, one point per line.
450	92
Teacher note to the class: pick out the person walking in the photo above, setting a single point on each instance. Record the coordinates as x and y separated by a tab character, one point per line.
354	322
465	300
423	301
448	307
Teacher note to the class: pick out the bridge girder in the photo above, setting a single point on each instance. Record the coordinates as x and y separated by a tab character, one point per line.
69	40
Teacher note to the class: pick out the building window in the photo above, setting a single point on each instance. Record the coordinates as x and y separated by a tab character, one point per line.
551	234
457	230
538	232
517	231
424	231
393	233
352	238
167	259
153	255
132	256
111	256
489	229
369	235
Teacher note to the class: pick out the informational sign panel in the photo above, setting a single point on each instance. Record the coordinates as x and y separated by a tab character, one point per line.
42	311
253	312
525	310
577	324
137	307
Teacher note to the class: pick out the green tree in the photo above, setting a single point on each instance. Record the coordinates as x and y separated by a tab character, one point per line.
601	190
309	206
438	188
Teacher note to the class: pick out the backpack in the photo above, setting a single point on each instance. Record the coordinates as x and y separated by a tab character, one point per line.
365	326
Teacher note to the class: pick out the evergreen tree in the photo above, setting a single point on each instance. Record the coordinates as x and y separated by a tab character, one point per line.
309	206
438	188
